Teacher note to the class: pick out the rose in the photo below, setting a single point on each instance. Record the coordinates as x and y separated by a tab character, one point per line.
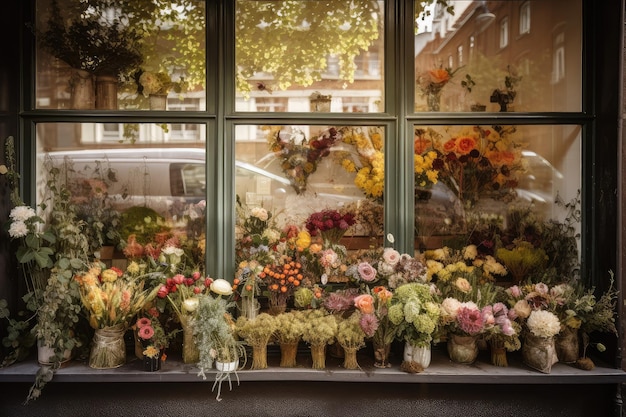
522	309
463	285
439	76
260	213
366	272
449	146
391	256
365	303
465	145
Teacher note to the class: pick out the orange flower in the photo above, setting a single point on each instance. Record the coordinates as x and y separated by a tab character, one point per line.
466	144
365	303
439	76
420	145
449	146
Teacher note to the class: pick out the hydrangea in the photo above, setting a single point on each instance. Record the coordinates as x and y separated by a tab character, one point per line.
412	309
396	314
424	324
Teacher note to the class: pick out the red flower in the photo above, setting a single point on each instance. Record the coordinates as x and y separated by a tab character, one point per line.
162	293
178	279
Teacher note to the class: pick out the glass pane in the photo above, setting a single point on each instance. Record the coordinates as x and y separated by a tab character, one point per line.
295	171
475	182
503	55
307	56
121	55
144	187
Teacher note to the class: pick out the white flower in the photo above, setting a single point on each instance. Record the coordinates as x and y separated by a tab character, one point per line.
3	169
18	229
272	235
221	287
173	250
543	323
190	304
260	213
22	213
391	256
450	308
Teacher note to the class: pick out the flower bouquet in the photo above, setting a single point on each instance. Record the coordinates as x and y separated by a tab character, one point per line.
300	157
182	294
538	349
111	298
375	322
502	332
320	330
463	322
415	314
331	225
281	280
431	83
152	340
351	338
370	166
289	330
257	333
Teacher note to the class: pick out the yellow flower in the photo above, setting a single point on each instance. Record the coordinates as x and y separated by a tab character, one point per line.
151	351
109	275
304	240
133	268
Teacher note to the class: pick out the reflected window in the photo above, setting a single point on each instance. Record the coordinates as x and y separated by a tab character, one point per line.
524	18
504	32
559	57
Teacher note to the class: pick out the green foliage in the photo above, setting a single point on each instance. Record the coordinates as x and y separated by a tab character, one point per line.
291	40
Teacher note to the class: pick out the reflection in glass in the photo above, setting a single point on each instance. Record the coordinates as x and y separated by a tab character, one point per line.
120	55
115	186
312	168
504	55
465	174
290	50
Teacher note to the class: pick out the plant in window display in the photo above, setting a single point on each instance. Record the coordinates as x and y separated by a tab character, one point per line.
257	236
300	156
477	162
370	166
431	83
505	97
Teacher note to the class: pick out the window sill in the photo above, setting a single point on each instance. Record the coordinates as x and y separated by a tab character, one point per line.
440	371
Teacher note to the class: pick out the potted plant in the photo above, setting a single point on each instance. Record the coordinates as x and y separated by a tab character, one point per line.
98	50
214	333
468	83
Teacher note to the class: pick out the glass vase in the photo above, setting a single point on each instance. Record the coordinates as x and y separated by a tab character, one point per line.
433	101
381	354
462	349
108	349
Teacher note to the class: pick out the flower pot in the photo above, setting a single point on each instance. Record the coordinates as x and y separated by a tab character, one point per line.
82	90
108	348
462	349
567	345
226	366
44	353
419	354
106	92
539	353
152	364
158	101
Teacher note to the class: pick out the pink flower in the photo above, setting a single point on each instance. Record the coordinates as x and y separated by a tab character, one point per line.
515	291
162	293
470	320
366	271
369	324
196	275
146	332
542	288
365	303
391	256
178	279
142	322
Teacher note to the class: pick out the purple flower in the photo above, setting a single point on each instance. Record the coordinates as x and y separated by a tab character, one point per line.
369	324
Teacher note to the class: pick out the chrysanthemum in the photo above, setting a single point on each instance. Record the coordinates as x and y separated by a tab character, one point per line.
18	229
369	324
543	323
22	213
470	320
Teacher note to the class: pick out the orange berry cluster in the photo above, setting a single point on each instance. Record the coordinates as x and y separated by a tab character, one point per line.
282	278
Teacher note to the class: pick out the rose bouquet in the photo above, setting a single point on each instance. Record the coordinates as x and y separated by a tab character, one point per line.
502	332
331	225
